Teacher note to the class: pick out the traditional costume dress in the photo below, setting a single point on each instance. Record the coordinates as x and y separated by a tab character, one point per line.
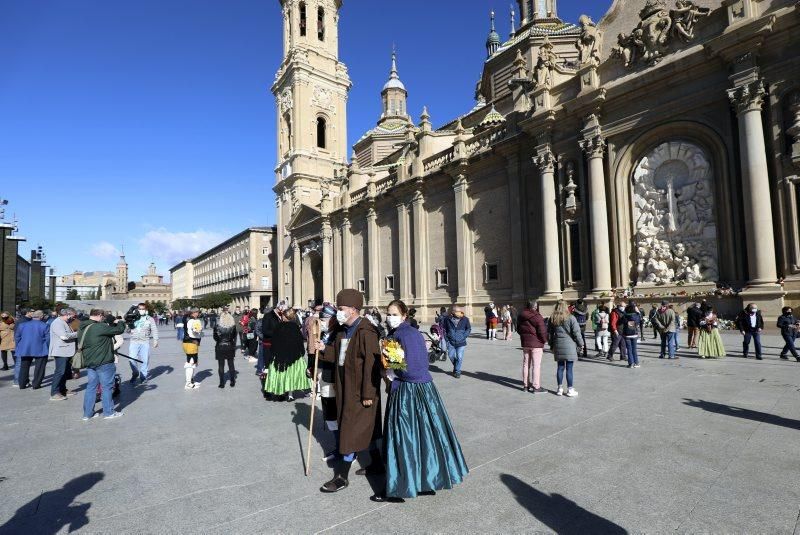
422	451
287	371
710	344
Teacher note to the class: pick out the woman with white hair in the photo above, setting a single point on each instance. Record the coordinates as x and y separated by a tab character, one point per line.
225	336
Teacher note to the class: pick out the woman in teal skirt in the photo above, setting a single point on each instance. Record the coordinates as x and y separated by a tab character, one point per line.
710	345
287	371
421	448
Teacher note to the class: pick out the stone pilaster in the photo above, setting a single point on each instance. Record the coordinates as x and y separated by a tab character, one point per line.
420	222
748	99
347	253
403	278
593	146
545	160
515	229
374	258
327	260
463	241
297	274
280	251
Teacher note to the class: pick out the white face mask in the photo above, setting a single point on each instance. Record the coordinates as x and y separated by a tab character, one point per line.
342	317
394	321
324	326
142	312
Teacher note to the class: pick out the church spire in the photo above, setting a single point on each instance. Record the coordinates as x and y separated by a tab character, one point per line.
394	94
493	40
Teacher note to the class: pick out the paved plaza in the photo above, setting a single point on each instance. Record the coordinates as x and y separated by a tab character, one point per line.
687	446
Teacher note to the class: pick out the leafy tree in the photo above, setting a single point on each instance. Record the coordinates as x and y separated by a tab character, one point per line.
215	300
73	295
159	307
41	304
182	304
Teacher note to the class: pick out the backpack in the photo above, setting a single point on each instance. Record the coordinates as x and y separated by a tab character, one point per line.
603	322
631	326
580	316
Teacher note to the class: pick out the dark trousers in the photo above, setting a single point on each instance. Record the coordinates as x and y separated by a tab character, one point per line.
789	347
59	385
583	337
38	373
617	341
756	337
231	370
4	353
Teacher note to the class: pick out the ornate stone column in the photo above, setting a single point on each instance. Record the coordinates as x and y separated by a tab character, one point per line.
327	260
463	240
748	99
594	146
297	274
347	253
373	257
545	160
404	247
420	248
515	224
280	251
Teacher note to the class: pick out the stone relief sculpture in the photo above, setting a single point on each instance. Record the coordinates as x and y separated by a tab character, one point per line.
675	231
657	29
545	65
588	41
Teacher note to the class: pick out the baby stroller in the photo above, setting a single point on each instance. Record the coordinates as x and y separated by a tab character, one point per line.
434	344
114	391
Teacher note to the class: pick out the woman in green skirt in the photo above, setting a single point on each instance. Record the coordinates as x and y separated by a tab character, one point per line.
710	344
287	371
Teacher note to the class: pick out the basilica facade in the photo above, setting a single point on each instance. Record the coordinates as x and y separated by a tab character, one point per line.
655	152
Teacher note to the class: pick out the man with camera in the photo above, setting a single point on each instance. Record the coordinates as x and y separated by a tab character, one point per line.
96	344
790	328
143	329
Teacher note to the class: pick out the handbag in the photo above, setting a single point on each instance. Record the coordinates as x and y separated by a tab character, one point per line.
77	358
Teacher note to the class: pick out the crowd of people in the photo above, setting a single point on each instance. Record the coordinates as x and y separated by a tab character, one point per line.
345	352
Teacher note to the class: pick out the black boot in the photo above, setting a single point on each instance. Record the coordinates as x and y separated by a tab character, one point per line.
376	466
339	481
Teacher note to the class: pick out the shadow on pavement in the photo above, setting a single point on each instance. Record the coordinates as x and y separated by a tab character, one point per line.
51	511
301	417
739	412
200	376
516	384
560	514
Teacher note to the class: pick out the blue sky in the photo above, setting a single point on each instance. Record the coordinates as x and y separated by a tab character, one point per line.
151	124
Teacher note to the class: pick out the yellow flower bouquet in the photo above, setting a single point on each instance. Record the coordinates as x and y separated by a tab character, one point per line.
392	355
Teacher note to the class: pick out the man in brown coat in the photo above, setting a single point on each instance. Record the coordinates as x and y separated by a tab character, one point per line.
355	350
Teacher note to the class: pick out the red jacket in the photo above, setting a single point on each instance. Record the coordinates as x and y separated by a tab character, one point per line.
614	321
531	328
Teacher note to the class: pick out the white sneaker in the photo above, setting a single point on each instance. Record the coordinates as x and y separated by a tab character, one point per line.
572	393
560	391
190	386
636	366
115	414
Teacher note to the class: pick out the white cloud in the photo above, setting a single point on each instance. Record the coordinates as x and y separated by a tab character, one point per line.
104	250
172	247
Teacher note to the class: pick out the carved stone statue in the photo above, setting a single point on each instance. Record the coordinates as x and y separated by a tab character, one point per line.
675	228
657	28
685	15
588	41
545	65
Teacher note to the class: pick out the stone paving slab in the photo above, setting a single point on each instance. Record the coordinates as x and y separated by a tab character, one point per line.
686	446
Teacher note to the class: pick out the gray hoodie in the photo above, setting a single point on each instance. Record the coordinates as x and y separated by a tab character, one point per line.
144	328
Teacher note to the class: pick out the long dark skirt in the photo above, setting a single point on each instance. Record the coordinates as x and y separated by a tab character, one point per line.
422	450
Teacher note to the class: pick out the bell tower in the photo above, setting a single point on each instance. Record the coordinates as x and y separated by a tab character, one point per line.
311	89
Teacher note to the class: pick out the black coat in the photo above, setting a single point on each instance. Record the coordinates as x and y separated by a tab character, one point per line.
287	345
693	317
226	342
743	322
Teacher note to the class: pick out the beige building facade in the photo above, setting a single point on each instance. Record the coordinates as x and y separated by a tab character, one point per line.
151	286
652	153
182	278
242	266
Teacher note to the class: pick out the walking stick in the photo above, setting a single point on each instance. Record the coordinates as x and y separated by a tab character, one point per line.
315	336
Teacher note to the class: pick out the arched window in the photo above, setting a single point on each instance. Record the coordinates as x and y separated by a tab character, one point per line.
321	127
321	24
302	19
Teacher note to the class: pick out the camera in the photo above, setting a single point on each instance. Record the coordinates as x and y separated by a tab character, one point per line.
132	315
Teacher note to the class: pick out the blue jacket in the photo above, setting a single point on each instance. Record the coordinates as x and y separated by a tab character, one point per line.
416	355
32	339
457	334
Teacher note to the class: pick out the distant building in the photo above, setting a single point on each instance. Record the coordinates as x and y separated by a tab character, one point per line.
151	287
23	279
182	278
241	266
